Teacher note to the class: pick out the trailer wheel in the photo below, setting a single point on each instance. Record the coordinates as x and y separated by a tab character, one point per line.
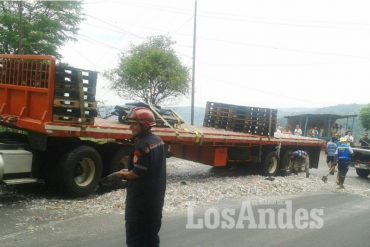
119	161
80	171
270	166
363	173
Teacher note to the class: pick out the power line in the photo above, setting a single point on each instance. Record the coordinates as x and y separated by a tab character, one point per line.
283	48
266	92
269	20
182	25
91	40
280	64
283	24
123	31
117	27
107	28
162	8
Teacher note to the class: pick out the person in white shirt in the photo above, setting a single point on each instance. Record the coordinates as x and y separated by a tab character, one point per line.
297	130
349	138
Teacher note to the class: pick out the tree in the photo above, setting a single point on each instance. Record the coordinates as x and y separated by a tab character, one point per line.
38	27
365	116
150	72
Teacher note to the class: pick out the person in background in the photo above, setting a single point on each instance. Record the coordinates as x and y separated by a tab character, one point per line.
315	133
349	138
286	131
365	142
297	130
331	159
343	153
278	132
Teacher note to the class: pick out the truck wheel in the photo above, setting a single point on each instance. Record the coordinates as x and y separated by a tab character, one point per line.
270	166
119	161
363	173
120	117
80	171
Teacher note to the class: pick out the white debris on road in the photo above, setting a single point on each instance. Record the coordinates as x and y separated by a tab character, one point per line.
188	183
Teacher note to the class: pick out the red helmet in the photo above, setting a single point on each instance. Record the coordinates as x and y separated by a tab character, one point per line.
141	115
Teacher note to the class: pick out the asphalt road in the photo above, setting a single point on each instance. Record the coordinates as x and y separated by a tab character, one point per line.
345	217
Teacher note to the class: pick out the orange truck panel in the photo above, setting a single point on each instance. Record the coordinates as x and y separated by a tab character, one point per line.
214	156
26	90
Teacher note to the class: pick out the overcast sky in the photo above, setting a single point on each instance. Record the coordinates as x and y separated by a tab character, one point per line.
268	53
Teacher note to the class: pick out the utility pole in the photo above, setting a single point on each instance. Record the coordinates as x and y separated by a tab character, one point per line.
193	70
20	42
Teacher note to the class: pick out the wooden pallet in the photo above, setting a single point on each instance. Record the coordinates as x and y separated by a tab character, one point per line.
70	119
74	96
73	75
74	104
254	120
73	112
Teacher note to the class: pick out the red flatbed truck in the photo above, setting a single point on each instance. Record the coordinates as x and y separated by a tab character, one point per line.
72	156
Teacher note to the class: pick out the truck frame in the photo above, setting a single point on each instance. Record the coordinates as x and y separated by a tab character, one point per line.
72	157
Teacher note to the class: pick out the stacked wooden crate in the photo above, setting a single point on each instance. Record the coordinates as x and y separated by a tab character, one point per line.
74	95
247	119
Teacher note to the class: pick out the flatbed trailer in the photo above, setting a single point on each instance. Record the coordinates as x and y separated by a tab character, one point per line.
72	154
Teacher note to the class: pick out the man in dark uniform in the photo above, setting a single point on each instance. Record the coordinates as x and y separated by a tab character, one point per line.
146	181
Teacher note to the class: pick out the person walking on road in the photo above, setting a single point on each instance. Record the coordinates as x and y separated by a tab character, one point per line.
146	182
343	152
331	158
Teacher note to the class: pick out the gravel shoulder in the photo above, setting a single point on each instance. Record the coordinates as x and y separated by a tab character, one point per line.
31	207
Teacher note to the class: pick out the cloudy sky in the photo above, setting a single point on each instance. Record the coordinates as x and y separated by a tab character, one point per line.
268	53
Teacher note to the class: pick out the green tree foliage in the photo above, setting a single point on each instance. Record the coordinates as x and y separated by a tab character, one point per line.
150	72
365	116
38	27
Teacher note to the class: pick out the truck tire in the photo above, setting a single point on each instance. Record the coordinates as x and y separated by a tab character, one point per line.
363	173
79	171
270	165
120	160
120	117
